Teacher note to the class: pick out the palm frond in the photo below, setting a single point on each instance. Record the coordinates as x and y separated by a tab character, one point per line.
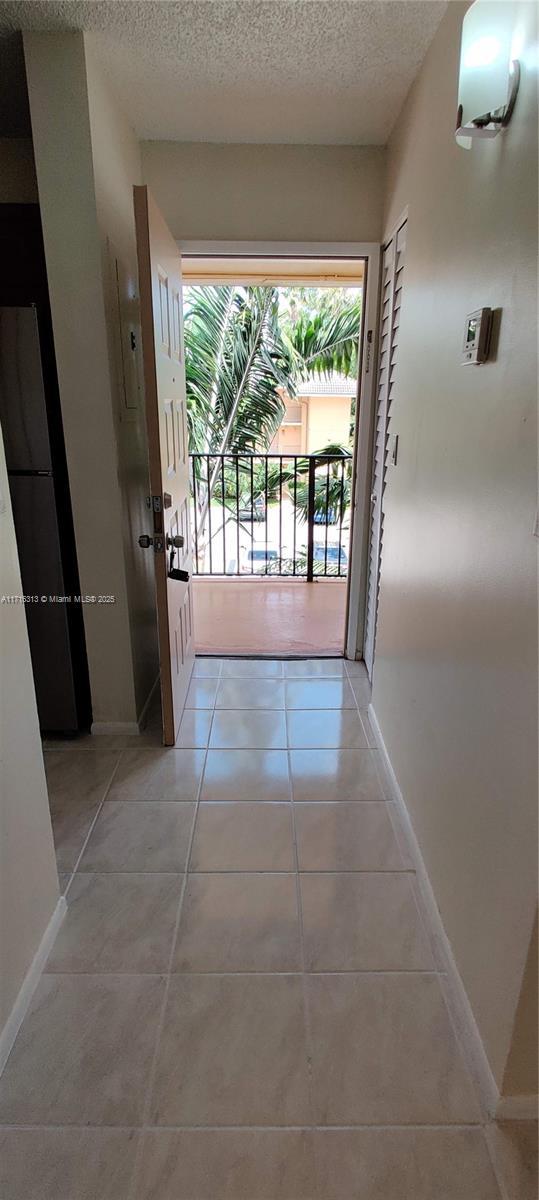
238	366
327	342
206	321
332	485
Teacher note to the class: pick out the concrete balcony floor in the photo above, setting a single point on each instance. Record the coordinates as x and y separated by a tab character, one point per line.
269	616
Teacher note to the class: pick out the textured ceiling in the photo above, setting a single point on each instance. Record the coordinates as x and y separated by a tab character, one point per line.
306	71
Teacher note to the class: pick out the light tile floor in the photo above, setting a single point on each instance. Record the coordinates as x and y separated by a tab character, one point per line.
243	1001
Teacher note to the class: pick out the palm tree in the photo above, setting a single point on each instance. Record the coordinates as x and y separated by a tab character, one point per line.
236	360
241	355
331	485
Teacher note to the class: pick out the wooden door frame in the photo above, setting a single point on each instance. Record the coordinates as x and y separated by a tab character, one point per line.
370	254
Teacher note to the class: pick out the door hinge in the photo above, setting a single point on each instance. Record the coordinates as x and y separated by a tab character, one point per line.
155	503
368	354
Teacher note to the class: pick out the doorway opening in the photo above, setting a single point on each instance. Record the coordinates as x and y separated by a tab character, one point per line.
32	433
272	351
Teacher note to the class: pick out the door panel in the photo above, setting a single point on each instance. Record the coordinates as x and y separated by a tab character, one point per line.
164	378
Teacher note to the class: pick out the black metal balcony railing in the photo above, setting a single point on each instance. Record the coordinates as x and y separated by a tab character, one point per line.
284	515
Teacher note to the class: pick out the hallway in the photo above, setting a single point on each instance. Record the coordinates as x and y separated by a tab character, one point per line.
243	1000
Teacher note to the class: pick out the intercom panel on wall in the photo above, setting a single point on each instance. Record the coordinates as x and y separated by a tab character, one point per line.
476	342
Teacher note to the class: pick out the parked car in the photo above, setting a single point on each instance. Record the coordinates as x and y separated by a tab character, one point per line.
258	559
331	556
253	512
327	516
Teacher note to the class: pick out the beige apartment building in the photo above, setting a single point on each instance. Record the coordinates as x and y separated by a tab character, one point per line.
319	415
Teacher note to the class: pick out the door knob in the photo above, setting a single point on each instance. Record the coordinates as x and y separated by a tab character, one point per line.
145	541
176	541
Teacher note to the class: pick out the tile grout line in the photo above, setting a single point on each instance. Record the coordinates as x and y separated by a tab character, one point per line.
356	701
374	751
402	841
145	1124
499	1174
90	831
303	972
446	1125
227	975
144	1127
268	870
306	999
422	917
304	988
258	971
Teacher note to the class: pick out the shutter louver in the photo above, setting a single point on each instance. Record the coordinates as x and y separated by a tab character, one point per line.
392	281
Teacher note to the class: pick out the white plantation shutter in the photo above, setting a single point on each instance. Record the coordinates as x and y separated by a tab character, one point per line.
392	280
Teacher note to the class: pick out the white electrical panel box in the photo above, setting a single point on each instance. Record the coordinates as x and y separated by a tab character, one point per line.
476	341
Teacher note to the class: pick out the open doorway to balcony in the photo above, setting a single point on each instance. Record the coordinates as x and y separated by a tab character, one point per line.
272	366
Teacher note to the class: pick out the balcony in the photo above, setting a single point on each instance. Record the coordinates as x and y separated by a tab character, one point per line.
270	552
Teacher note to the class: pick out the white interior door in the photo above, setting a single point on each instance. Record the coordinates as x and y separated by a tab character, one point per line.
166	418
392	282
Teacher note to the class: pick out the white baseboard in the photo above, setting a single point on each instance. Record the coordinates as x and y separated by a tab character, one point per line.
149	698
458	1002
517	1108
126	728
30	982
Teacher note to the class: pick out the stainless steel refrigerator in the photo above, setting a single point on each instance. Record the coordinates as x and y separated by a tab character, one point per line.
35	497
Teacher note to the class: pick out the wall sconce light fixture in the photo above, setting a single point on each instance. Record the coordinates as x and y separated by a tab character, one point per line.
489	74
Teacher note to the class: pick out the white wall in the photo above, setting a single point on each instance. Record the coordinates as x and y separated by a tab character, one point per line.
117	167
455	682
28	880
272	193
84	156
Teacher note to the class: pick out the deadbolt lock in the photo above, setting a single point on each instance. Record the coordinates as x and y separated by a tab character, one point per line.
145	541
